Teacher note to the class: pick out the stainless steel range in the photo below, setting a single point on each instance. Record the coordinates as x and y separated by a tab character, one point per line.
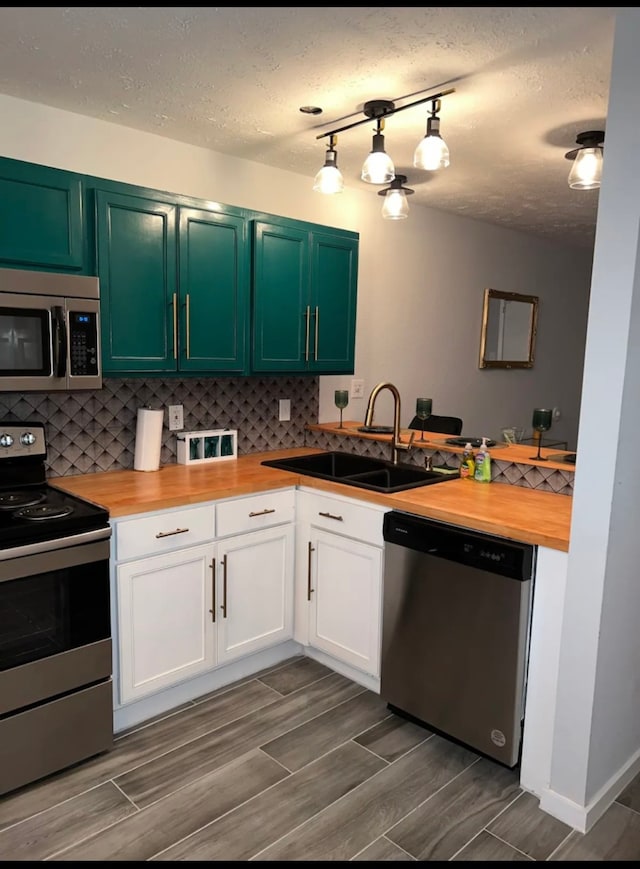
56	704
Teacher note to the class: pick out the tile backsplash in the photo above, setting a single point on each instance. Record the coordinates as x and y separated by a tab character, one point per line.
95	430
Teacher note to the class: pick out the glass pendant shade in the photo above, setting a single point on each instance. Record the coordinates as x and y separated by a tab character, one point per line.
329	179
586	172
378	168
395	205
432	152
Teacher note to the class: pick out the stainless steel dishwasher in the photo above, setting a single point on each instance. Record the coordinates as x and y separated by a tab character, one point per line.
455	631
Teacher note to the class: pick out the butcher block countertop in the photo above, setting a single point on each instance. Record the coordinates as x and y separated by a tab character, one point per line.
509	511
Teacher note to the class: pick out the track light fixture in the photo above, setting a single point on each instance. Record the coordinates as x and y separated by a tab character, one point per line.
329	179
431	153
395	205
586	172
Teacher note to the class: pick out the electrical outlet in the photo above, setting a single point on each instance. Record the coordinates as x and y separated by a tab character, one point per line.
176	417
556	413
357	389
284	409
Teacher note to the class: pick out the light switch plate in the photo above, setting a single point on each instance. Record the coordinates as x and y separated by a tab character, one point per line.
176	417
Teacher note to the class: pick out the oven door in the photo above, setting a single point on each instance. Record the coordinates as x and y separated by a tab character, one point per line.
33	342
55	622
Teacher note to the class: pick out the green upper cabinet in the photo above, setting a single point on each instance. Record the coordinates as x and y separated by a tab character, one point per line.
173	286
41	217
304	298
136	246
213	292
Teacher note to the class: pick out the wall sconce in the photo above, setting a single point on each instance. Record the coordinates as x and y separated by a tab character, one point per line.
395	205
329	179
431	153
586	172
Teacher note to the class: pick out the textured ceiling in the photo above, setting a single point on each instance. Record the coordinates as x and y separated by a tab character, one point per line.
527	80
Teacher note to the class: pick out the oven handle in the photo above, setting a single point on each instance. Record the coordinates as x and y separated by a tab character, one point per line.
63	543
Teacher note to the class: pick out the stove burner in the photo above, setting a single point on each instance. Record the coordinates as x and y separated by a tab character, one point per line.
43	511
12	500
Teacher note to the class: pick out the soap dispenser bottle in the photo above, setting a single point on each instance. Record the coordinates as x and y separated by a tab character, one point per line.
483	463
467	463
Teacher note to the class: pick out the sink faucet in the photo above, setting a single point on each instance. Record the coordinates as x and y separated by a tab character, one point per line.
396	443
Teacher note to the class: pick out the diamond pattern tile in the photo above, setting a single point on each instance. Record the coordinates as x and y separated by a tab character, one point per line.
95	431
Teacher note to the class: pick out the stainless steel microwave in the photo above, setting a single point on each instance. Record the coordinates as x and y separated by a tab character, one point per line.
49	331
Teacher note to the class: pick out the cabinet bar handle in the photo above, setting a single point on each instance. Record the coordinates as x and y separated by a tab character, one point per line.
188	316
175	325
309	589
224	587
306	340
315	343
213	590
171	533
260	513
331	516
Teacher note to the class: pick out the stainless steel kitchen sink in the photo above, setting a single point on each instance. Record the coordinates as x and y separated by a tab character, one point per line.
364	472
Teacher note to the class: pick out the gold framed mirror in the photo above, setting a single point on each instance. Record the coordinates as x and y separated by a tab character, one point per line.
509	324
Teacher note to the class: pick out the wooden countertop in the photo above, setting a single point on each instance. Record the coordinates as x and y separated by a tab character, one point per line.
520	453
510	511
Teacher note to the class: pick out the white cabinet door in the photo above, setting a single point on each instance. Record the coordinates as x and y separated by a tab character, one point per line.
344	591
255	591
166	630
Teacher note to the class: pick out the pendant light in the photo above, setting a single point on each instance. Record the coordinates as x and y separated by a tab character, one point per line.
586	172
432	152
378	168
395	205
329	179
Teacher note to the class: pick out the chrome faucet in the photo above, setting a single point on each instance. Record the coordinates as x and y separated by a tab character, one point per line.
396	443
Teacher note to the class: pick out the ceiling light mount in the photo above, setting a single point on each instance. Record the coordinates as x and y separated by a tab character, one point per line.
379	108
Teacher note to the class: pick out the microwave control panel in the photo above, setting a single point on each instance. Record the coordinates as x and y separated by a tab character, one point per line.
83	343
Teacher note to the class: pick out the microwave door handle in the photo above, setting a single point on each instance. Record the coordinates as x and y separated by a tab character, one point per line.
59	343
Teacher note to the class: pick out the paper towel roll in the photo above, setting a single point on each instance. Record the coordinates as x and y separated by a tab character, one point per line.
148	439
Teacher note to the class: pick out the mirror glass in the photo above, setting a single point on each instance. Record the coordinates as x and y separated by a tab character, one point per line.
508	335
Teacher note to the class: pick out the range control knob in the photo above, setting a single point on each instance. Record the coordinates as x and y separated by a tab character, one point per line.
27	439
6	440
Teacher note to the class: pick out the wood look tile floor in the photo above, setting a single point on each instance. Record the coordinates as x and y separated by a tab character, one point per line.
295	763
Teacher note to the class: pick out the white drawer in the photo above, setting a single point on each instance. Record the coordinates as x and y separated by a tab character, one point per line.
255	512
162	532
343	516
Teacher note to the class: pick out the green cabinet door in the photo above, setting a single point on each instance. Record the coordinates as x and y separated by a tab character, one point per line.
334	281
136	246
304	298
41	217
213	292
281	305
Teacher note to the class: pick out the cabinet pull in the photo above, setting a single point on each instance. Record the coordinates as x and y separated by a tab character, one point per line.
213	590
224	587
315	343
331	516
187	317
260	513
309	589
175	325
306	340
171	533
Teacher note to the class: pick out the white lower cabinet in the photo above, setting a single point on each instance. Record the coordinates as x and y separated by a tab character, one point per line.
339	583
165	625
183	610
255	591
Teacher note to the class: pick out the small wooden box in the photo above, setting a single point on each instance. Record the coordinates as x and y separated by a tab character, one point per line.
198	447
